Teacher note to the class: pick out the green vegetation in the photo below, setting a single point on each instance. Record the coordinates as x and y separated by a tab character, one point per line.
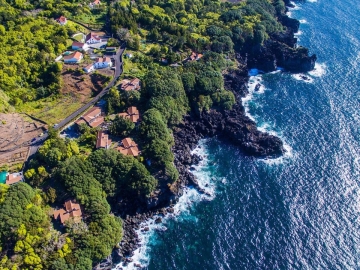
158	33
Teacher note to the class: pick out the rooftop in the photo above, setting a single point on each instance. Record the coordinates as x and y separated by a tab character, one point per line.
14	178
128	147
129	85
76	55
72	210
132	113
103	140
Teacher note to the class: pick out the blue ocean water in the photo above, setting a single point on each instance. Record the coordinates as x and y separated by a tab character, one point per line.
297	212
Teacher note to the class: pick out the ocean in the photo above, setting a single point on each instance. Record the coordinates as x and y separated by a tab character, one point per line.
300	211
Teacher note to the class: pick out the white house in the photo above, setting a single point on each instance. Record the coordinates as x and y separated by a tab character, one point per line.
89	68
73	58
103	62
79	46
92	38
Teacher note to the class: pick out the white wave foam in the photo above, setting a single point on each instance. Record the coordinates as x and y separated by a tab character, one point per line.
254	86
288	155
318	71
298	33
312	1
303	77
181	208
255	81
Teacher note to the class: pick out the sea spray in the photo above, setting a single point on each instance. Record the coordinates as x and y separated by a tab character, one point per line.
147	231
256	87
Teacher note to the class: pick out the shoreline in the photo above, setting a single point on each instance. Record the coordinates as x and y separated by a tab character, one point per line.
232	126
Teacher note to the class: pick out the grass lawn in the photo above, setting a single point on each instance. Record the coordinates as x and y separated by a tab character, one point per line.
132	69
52	110
94	18
77	26
78	38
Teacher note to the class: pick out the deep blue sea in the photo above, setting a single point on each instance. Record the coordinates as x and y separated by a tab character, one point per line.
300	211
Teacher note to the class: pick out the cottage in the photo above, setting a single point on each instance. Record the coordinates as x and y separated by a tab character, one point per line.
14	178
61	20
73	58
79	46
103	62
92	118
89	68
95	3
128	147
72	211
194	56
130	85
132	114
92	38
102	140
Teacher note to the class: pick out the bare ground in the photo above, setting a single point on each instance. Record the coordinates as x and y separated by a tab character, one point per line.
16	133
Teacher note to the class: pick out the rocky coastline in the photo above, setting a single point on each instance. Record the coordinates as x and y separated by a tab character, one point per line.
231	126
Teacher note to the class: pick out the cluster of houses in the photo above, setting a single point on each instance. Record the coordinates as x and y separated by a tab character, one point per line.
127	146
76	57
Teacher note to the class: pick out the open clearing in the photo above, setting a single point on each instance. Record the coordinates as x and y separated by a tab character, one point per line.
76	91
17	131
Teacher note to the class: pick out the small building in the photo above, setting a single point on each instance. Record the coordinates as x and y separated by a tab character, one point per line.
195	56
103	62
132	114
79	46
102	140
164	60
92	118
128	147
71	210
61	20
92	38
130	85
89	68
14	178
95	4
73	58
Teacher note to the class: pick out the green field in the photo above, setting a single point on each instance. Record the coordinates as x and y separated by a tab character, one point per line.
52	110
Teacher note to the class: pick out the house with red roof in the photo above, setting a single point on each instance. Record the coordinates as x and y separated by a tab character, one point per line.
79	46
132	114
73	58
130	85
128	147
71	210
14	178
61	20
95	4
92	118
102	140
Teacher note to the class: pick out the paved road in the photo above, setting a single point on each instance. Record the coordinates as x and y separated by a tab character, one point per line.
118	70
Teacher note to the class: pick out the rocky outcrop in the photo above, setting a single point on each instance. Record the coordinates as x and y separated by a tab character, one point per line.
281	50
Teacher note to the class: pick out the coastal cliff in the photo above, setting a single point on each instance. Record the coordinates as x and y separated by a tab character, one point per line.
229	126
